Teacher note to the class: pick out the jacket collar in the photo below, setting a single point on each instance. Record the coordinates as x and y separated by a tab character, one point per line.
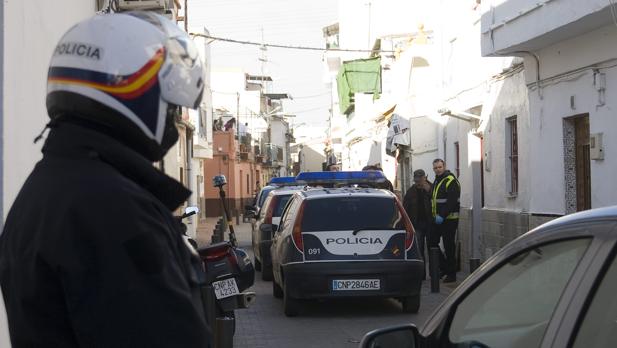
444	175
70	140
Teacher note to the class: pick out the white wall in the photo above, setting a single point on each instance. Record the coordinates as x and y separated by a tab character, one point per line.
550	105
523	24
313	158
470	80
505	99
32	29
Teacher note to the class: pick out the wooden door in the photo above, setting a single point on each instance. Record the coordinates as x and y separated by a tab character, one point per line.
583	164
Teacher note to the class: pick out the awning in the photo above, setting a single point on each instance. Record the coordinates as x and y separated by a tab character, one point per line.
386	115
358	76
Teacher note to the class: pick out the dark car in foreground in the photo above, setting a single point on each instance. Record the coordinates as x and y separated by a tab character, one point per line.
552	287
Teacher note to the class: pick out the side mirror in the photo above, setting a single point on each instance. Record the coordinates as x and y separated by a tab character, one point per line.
402	336
266	229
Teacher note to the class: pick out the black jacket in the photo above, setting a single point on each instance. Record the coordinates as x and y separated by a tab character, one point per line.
417	204
445	196
91	256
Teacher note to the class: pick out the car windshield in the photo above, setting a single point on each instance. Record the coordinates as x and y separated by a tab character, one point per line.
350	213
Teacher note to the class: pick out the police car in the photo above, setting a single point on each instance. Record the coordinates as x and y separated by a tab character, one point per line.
253	210
344	239
270	213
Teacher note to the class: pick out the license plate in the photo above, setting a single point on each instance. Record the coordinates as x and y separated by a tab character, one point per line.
225	288
355	284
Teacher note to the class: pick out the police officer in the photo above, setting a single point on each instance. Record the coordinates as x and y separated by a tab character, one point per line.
445	205
90	255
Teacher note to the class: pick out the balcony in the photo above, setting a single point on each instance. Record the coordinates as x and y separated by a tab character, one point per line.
274	155
513	26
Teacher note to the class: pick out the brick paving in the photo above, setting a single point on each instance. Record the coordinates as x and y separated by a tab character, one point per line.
340	323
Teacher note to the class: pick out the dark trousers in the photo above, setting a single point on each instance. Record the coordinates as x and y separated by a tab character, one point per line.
422	234
447	232
422	229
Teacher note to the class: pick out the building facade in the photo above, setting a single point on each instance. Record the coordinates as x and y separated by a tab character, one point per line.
569	73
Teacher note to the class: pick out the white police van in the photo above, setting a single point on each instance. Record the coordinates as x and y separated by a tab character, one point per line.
345	239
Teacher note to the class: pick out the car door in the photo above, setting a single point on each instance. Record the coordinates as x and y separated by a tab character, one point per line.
513	305
285	222
590	319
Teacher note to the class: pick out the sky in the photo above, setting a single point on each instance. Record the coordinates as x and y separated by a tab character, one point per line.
287	22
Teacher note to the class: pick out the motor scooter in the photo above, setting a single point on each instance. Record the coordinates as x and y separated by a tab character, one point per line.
229	273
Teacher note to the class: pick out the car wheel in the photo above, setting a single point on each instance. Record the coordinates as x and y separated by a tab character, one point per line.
276	290
411	304
257	264
291	306
266	273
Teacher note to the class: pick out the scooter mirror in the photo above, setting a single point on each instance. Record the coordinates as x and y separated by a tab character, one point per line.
219	181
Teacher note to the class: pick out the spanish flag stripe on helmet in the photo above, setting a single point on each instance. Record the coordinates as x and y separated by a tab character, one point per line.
124	87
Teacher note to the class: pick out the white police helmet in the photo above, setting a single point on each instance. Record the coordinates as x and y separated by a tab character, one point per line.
129	73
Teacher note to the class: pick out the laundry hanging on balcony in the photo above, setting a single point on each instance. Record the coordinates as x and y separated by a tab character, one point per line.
358	76
398	134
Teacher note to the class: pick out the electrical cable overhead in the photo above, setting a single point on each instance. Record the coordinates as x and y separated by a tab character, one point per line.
215	38
312	96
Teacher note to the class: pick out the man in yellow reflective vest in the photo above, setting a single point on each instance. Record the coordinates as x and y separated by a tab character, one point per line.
445	205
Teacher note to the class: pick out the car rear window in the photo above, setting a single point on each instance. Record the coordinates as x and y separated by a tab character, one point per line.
280	204
350	213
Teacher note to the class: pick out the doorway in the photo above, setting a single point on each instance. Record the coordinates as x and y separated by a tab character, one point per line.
577	163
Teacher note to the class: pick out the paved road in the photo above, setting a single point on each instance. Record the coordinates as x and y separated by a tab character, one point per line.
340	323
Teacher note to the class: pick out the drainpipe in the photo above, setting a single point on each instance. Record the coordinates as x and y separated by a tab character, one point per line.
190	222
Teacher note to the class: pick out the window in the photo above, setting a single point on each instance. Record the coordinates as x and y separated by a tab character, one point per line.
512	307
512	155
248	187
350	213
280	205
288	212
598	326
181	175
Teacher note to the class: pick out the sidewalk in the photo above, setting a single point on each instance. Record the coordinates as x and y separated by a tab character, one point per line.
205	229
206	226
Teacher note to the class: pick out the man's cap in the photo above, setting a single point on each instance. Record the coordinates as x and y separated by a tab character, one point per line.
419	173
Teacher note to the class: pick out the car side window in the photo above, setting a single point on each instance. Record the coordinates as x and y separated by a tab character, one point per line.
264	207
287	213
599	326
513	306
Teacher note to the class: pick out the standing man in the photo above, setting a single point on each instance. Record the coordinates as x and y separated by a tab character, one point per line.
445	205
417	204
91	255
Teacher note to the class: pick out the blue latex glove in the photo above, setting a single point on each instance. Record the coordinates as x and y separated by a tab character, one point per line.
438	220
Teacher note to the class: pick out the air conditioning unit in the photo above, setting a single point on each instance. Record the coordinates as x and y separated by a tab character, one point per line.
129	5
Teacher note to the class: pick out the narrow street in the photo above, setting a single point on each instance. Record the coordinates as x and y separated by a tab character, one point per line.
340	323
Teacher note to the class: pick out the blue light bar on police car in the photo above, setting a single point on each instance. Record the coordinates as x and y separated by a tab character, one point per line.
283	180
349	178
